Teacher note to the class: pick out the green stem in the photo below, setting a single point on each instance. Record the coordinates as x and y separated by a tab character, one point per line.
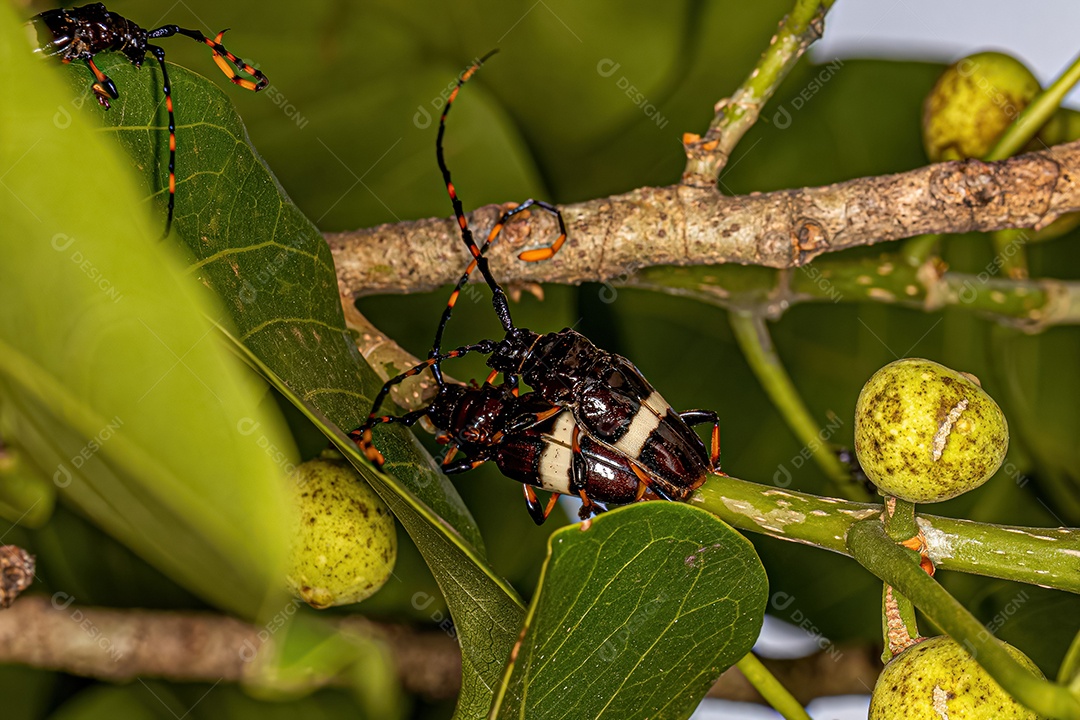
708	155
1035	115
1039	556
1069	672
899	519
898	622
1010	254
1032	305
872	547
917	250
771	689
753	337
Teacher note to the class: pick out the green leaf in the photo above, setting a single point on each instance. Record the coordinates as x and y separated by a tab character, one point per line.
257	251
109	371
636	617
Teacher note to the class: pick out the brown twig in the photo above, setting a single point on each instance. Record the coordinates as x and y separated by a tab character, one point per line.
120	645
612	237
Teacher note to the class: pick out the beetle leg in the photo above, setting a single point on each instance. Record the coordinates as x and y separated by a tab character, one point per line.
539	253
641	489
104	88
537	510
362	435
697	417
462	465
450	453
648	482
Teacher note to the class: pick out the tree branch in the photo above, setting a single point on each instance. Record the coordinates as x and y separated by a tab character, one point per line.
120	645
707	156
612	237
1031	305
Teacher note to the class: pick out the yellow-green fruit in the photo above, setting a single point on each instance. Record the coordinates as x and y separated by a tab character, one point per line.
972	103
938	679
925	433
345	543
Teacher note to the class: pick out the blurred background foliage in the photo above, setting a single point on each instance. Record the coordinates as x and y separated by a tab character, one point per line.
348	128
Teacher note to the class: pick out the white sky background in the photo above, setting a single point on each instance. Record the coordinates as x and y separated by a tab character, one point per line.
1046	37
1042	34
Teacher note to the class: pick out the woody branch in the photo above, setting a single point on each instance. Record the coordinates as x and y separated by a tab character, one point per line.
679	225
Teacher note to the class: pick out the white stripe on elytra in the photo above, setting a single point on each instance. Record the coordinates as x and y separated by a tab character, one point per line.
557	459
645	420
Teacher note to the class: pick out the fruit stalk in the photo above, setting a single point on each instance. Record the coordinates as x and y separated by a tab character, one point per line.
876	551
897	613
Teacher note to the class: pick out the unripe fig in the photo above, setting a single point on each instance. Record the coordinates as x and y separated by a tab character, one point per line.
973	102
925	433
937	679
345	543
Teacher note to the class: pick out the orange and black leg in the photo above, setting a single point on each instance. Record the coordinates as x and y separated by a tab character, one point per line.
540	253
362	435
231	65
697	417
104	88
538	511
578	472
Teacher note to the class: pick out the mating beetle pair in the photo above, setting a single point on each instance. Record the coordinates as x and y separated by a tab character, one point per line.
592	426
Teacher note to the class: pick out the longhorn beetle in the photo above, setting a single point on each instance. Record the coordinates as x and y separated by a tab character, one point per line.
592	427
84	32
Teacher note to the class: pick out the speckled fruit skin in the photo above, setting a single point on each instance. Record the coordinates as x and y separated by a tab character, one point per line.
938	679
345	544
912	408
973	102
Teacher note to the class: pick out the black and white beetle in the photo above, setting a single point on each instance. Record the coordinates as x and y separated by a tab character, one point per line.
528	438
592	427
82	33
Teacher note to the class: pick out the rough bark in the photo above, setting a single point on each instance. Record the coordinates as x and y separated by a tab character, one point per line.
610	238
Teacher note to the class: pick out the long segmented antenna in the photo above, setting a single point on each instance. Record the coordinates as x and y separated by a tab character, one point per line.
498	299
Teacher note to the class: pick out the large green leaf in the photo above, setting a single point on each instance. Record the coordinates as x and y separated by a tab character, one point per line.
637	615
111	377
264	258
